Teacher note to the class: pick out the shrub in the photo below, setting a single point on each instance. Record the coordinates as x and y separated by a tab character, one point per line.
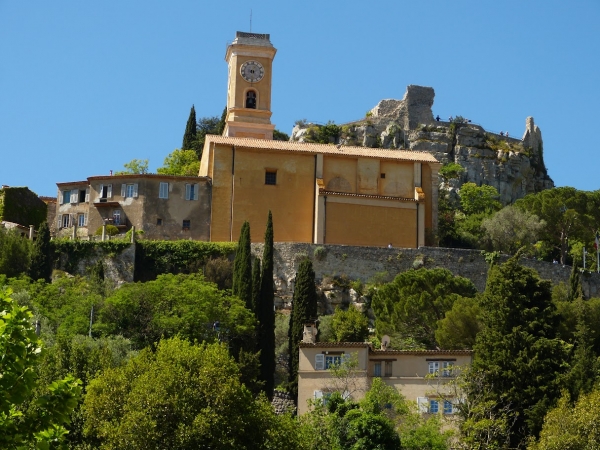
320	253
111	230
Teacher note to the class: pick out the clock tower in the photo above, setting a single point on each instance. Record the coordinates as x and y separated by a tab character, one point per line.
250	60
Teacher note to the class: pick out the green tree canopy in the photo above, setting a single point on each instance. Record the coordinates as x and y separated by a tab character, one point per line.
565	212
572	427
20	350
14	253
517	353
458	329
478	199
184	305
182	396
415	301
135	166
180	162
511	228
350	325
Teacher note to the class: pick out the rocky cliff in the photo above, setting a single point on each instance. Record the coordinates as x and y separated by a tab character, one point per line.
515	167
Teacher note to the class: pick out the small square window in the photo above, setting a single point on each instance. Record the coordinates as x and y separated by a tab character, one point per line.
159	222
448	407
271	177
383	175
186	225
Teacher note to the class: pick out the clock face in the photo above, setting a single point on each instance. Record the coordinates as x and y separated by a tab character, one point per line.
252	71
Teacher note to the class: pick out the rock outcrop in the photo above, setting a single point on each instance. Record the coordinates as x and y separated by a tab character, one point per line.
515	167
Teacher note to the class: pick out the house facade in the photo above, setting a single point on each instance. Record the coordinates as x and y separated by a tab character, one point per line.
162	206
415	374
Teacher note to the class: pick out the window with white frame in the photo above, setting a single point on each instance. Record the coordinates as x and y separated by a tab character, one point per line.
447	369
117	217
332	360
163	191
433	405
66	220
445	366
82	220
74	195
434	366
84	195
129	190
325	361
191	192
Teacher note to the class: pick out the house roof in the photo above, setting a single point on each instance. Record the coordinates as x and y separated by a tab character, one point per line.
158	176
339	150
330	345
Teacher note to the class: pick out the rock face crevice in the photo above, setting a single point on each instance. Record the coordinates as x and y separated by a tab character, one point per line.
515	167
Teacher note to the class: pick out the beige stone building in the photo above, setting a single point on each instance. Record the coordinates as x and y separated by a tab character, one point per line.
406	371
162	206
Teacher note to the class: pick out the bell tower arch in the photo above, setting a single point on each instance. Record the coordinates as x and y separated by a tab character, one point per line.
250	60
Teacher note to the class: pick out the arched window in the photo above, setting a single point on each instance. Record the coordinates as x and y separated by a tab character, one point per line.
251	99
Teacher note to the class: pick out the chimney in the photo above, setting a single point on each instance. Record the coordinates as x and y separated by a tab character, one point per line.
310	333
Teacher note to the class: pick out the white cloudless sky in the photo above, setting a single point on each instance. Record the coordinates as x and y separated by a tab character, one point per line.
87	86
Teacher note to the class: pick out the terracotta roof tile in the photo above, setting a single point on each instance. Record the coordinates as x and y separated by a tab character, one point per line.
263	144
385	352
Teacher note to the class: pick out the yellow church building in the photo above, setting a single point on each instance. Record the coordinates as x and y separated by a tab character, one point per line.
324	194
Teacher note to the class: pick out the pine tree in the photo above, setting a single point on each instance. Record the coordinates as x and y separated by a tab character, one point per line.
189	137
266	314
517	355
242	268
255	285
304	309
41	258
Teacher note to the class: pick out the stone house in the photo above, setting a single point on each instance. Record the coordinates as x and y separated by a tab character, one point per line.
162	206
406	371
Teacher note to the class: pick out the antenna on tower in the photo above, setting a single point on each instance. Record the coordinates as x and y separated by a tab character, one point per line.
251	21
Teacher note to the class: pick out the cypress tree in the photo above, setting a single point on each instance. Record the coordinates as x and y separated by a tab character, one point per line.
221	124
41	259
304	309
266	314
575	289
242	268
255	285
190	131
517	354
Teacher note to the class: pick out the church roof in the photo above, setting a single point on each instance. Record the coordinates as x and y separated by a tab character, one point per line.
328	149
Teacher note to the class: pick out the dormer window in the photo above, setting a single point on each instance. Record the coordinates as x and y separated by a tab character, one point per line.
251	99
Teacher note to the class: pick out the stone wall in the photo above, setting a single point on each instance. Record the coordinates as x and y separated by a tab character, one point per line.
364	263
117	267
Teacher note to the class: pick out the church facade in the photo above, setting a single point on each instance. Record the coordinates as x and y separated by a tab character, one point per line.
317	193
324	194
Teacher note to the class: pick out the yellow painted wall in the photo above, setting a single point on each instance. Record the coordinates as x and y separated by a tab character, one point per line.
354	224
399	179
221	194
368	176
339	173
426	184
291	200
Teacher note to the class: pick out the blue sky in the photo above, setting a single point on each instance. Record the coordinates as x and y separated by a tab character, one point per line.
87	86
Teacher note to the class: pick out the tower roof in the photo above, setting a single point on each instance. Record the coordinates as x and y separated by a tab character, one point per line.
262	40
